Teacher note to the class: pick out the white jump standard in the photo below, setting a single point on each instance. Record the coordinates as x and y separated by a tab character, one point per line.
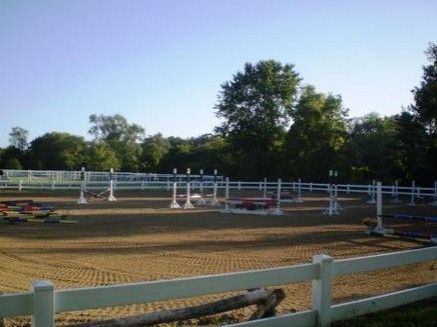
174	204
333	207
188	204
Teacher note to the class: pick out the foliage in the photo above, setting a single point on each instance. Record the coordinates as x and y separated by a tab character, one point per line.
13	163
373	148
57	151
424	114
18	138
317	137
101	157
121	137
256	106
114	129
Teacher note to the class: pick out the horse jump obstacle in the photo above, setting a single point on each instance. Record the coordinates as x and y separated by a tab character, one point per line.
253	206
199	199
83	190
380	229
333	207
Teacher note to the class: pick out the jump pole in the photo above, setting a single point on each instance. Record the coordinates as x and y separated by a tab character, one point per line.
214	201
188	204
379	225
174	204
82	199
278	198
201	181
413	187
395	192
227	195
299	191
434	202
111	196
201	201
372	194
333	207
265	188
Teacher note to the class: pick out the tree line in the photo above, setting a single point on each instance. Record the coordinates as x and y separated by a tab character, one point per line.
272	126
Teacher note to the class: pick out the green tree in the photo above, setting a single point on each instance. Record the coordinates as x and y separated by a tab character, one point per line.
154	149
101	157
317	137
12	157
372	150
424	112
18	138
412	146
57	151
13	163
256	106
114	129
121	136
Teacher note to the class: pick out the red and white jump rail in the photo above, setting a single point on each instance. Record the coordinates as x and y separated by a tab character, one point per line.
43	301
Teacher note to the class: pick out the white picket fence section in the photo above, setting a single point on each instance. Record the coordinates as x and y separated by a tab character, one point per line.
413	192
75	175
44	301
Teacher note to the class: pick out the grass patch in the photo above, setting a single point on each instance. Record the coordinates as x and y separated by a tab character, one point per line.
423	314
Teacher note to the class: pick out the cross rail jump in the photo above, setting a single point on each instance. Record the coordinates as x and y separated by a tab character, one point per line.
83	190
377	227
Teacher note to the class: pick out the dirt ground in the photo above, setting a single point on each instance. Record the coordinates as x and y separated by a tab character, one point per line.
138	239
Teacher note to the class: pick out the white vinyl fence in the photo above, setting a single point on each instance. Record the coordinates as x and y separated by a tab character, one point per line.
412	192
44	301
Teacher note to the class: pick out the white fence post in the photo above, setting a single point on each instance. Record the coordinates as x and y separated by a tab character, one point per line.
321	295
20	185
43	304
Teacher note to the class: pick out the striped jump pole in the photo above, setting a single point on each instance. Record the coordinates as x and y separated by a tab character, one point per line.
188	204
82	199
174	204
434	202
214	201
111	196
413	188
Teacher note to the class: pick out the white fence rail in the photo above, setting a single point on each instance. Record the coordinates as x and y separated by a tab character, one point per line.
412	192
43	301
76	175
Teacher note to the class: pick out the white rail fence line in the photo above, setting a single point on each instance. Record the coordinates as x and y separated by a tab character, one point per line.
43	301
75	175
413	192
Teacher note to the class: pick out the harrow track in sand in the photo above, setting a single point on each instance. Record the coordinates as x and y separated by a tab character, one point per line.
134	240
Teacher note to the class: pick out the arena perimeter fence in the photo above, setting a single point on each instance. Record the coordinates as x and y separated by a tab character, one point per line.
71	180
43	301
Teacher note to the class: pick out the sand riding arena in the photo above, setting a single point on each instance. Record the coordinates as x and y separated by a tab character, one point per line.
137	238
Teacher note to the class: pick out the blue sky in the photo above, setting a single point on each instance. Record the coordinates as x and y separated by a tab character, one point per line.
160	63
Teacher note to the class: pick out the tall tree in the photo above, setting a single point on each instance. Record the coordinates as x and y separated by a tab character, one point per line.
372	149
155	148
57	151
256	106
114	129
317	136
424	110
101	157
18	138
121	136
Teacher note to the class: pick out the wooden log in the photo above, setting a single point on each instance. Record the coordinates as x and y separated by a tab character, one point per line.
267	309
258	297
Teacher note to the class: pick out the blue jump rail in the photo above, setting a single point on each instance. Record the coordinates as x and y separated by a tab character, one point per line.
432	219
